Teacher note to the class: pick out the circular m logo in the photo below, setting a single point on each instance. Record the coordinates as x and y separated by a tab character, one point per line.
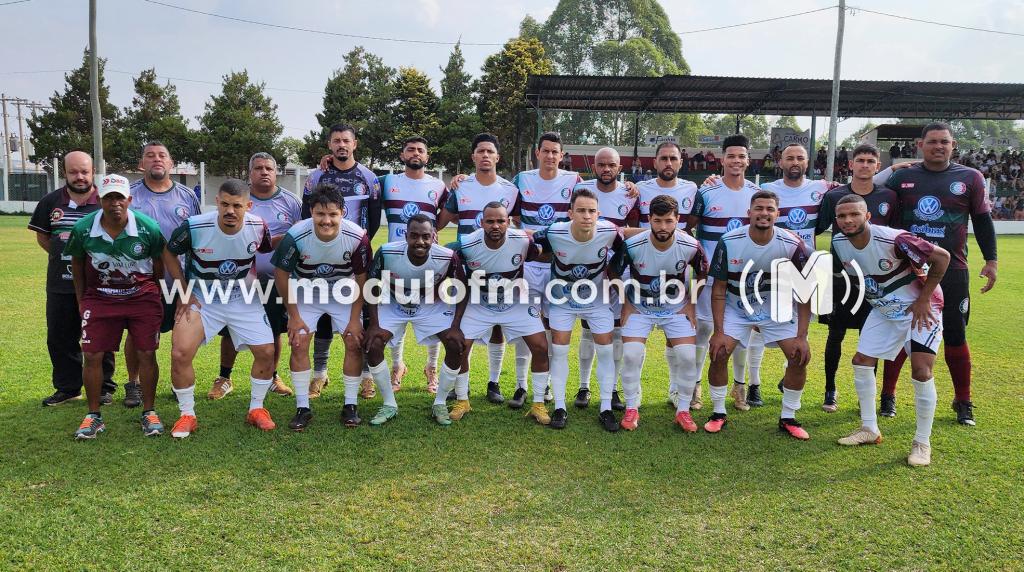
517	259
957	188
622	210
883	209
479	218
565	192
181	211
137	248
655	285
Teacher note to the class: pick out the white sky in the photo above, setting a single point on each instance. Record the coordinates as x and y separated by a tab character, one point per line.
134	35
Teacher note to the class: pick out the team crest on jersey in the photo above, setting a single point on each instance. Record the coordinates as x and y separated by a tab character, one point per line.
965	305
504	202
565	192
546	212
181	211
883	209
816	196
137	248
103	265
432	195
796	218
399	233
517	259
56	215
251	248
885	264
733	224
359	188
579	271
687	203
958	188
324	269
227	269
479	218
622	210
283	217
410	210
871	288
346	256
533	311
680	264
928	208
603	252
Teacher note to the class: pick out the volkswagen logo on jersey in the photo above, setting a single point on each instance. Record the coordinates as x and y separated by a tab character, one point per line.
883	209
324	269
796	219
565	192
137	248
546	212
603	252
957	188
410	210
181	211
227	269
733	224
251	248
579	271
871	288
928	208
517	259
479	219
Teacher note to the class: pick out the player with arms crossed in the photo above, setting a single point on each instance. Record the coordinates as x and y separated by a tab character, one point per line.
327	248
740	258
906	305
656	293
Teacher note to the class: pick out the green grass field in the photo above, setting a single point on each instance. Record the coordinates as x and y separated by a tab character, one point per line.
495	491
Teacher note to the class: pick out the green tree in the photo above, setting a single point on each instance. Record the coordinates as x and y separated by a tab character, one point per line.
853	139
67	125
360	94
530	28
786	122
755	127
501	103
154	114
242	120
415	111
291	149
971	133
457	116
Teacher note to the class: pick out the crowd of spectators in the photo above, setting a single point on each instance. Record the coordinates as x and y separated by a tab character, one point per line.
1005	171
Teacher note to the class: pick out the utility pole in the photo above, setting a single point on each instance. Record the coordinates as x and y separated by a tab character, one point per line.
7	149
21	136
94	89
834	123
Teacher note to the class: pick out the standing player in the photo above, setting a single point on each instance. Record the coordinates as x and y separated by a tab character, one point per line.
169	203
52	221
579	252
494	255
656	297
327	248
718	208
361	189
906	305
668	160
740	258
414	270
115	261
937	197
279	209
883	204
465	208
405	195
220	249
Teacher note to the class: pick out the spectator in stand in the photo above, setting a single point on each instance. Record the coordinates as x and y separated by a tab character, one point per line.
843	158
767	164
711	160
699	164
566	164
894	151
684	162
636	173
908	151
1018	212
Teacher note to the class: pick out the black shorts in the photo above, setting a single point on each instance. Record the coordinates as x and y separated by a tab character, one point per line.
167	324
841	316
956	309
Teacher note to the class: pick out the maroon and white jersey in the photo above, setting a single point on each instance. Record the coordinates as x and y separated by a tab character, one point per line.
653	272
798	207
684	192
410	285
721	210
543	201
748	267
614	206
892	265
405	198
574	261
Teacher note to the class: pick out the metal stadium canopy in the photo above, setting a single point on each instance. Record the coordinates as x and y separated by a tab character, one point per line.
775	96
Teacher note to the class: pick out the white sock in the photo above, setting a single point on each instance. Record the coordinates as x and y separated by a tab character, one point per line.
617	353
685	360
433	351
704	331
673	378
382	378
586	353
495	358
397	354
321	354
258	392
523	357
790	402
718	397
300	379
755	355
540	384
447	379
186	400
352	388
559	373
462	386
864	383
739	364
924	407
632	364
605	373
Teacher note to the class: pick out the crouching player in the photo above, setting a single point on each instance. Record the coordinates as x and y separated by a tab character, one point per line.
656	294
492	254
412	273
740	301
906	314
322	252
221	249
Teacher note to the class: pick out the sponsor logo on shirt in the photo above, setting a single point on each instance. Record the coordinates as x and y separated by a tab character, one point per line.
796	219
579	271
733	224
958	188
885	264
227	269
871	288
883	209
324	269
546	212
906	185
56	215
928	230
474	264
410	210
928	208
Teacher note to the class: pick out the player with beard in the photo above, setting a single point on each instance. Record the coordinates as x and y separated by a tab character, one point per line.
361	189
668	159
405	195
906	304
169	203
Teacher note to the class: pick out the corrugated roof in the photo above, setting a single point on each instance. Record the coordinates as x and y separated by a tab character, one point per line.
776	96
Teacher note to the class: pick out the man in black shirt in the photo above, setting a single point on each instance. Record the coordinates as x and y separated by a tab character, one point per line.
52	220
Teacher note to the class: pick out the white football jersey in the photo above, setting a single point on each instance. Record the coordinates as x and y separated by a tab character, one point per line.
798	207
684	192
469	199
580	261
721	210
212	255
739	259
614	206
411	285
543	202
655	273
405	198
304	255
504	262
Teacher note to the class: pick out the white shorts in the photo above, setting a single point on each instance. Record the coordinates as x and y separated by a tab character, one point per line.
639	325
561	317
518	321
537	275
427	320
246	323
704	302
340	314
883	338
738	326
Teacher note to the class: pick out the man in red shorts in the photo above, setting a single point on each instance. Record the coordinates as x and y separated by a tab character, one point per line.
115	257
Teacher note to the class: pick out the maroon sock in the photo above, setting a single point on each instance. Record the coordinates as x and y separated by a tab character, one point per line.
958	359
891	373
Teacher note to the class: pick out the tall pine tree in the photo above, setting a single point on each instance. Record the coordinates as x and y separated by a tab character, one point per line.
238	122
155	114
457	116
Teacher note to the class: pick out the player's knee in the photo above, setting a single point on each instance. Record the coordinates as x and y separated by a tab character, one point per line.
632	354
146	357
921	372
92	359
351	345
861	359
